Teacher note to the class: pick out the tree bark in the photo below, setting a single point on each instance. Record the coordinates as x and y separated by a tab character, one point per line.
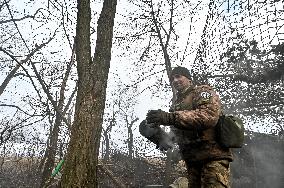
82	156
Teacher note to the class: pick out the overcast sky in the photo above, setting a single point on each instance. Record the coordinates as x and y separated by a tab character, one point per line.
121	65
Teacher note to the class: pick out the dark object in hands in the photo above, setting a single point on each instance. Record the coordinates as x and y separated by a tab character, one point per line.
148	130
160	117
165	141
155	134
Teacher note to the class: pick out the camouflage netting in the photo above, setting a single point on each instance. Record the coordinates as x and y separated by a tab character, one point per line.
242	55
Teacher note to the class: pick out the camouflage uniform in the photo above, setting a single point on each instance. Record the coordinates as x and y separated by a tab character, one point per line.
196	113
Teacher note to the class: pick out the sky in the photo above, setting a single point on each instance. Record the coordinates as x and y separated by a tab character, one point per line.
122	67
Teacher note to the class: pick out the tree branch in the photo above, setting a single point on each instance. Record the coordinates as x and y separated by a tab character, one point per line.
49	96
164	48
19	64
8	7
171	24
15	106
20	19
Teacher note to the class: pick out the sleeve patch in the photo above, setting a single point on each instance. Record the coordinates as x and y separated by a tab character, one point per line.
205	95
204	98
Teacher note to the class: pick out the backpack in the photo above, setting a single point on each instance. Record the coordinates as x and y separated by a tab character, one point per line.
230	131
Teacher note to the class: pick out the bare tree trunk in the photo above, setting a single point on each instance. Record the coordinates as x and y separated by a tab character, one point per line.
168	67
107	146
50	155
82	156
107	139
107	135
51	148
130	139
163	45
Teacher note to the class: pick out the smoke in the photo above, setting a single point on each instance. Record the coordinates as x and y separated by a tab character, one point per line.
269	166
260	163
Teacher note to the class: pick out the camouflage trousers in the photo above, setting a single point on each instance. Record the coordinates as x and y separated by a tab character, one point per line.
212	174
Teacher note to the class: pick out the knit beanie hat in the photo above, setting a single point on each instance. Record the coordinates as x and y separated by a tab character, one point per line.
181	71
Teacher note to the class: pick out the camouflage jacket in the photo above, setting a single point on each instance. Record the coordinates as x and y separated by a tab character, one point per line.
197	111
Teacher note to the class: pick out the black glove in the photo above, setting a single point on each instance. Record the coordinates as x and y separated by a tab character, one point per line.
160	117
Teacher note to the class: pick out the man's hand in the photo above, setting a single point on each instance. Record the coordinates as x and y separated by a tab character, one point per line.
160	117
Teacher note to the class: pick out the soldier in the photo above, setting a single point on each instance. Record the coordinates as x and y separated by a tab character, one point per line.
192	119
